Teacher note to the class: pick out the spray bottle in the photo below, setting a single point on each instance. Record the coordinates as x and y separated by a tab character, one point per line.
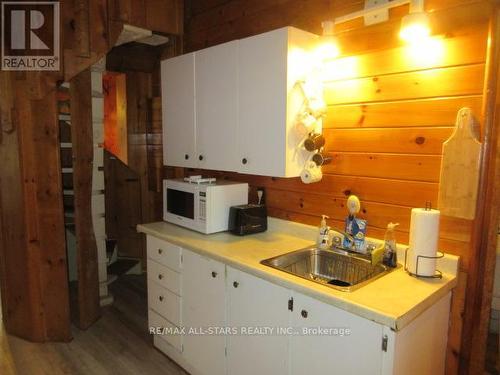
323	235
390	252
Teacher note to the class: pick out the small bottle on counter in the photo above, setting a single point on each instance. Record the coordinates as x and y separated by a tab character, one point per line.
390	252
324	233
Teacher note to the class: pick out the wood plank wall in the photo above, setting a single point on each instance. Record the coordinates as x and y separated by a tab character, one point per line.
390	108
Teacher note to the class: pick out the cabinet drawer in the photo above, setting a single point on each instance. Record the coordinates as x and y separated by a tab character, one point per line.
156	321
164	253
164	276
164	302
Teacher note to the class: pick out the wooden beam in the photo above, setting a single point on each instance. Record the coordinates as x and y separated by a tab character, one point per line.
33	258
482	268
88	309
82	28
21	311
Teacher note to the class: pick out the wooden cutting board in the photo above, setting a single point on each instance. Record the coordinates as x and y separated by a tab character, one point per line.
460	168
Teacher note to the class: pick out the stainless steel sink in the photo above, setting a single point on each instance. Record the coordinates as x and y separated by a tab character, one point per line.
336	268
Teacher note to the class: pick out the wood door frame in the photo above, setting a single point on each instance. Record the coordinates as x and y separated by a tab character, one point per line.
484	238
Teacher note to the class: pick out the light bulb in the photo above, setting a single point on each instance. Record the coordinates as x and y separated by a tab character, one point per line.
415	27
328	47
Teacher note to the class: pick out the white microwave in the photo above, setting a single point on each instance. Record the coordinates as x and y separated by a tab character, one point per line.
203	207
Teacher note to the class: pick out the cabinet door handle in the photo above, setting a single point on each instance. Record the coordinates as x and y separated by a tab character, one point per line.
160	276
186	157
244	160
304	314
214	274
160	251
160	298
236	284
200	158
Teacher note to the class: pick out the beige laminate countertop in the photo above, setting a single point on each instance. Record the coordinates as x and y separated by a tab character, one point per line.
393	300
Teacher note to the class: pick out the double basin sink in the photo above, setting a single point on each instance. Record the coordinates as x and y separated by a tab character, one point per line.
337	268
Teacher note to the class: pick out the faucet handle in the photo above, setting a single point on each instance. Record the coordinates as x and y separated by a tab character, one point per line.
336	240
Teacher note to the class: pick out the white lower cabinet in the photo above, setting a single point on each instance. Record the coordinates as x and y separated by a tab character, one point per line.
202	295
255	304
347	344
204	308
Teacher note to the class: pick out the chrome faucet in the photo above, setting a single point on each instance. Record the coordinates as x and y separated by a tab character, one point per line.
336	243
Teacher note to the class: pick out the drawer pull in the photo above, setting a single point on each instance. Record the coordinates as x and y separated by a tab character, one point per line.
160	251
236	284
214	274
304	314
160	276
160	298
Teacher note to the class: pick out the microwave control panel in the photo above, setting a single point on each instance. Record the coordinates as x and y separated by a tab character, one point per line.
202	209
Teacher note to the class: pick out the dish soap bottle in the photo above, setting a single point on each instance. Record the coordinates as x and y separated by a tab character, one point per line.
390	252
355	228
323	235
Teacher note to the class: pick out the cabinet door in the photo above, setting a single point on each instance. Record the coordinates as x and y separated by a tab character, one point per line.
253	302
359	352
203	306
216	83
178	109
262	103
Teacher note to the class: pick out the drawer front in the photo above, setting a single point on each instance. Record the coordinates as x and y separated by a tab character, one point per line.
164	302
164	253
157	321
164	276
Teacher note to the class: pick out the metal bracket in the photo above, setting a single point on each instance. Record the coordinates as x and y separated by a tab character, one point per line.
376	17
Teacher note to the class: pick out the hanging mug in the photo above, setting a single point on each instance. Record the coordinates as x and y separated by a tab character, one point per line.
320	160
314	142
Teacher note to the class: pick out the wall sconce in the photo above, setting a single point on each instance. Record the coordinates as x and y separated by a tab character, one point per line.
415	26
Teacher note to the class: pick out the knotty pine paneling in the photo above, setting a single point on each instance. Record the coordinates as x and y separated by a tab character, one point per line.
429	83
451	17
413	113
439	52
411	167
428	140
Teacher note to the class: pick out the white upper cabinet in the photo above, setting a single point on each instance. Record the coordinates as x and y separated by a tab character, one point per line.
270	65
216	82
178	103
233	107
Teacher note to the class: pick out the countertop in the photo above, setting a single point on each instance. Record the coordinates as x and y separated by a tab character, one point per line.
393	300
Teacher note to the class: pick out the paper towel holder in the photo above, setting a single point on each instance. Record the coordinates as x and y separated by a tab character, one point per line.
438	274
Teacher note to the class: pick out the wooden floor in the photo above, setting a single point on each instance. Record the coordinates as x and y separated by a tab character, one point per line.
118	343
491	365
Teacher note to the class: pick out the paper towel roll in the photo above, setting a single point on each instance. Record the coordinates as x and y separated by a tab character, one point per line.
311	173
424	236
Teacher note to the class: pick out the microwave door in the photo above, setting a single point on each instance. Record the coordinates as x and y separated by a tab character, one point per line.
181	203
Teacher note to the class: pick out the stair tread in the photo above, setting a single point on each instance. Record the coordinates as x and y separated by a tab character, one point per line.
122	266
